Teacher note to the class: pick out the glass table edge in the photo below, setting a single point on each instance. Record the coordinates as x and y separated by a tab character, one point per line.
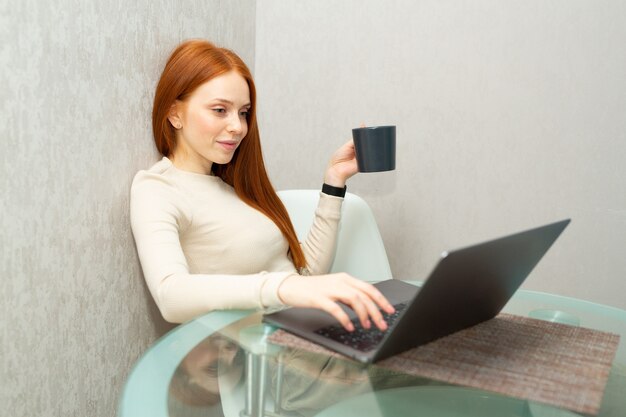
583	305
146	387
539	296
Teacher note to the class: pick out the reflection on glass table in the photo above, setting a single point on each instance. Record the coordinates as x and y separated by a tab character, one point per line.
221	365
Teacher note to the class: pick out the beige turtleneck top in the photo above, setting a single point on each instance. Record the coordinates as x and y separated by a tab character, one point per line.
201	248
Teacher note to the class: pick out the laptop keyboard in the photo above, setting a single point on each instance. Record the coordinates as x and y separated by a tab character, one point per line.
360	339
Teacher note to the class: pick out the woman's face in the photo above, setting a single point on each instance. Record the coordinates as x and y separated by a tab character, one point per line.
211	123
208	360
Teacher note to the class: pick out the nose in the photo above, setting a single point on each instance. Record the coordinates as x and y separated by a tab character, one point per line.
235	125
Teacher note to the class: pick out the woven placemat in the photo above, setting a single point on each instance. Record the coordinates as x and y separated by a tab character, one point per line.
520	357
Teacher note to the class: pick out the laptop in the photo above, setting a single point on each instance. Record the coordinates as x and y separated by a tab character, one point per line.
467	286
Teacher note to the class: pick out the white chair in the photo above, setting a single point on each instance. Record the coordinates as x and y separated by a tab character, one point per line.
360	249
360	252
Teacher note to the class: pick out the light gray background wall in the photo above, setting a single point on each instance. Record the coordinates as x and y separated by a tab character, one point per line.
509	115
76	85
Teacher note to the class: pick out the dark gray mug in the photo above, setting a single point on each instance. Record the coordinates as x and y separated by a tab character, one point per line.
375	148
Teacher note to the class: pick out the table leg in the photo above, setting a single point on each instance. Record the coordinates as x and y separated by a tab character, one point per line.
279	385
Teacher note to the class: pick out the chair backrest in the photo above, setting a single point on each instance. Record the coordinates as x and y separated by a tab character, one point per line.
360	249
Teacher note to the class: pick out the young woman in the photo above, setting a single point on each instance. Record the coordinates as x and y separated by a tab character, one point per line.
211	232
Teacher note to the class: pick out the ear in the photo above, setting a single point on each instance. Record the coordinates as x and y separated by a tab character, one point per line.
174	115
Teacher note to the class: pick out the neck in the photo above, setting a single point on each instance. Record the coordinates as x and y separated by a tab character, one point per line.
185	163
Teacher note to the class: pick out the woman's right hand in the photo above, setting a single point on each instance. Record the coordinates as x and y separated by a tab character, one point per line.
325	291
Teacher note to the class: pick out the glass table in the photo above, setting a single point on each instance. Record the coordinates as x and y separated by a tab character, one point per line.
220	364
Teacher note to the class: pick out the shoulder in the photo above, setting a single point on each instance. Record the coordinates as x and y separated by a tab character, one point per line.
155	192
158	184
158	176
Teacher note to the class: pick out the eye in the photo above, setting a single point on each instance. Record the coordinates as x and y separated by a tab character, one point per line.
219	110
244	113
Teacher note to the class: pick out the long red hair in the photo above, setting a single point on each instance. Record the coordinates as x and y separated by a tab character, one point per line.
192	64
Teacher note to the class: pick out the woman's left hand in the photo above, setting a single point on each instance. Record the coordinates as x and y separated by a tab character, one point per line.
342	166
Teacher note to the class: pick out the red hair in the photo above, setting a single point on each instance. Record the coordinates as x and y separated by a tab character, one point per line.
192	64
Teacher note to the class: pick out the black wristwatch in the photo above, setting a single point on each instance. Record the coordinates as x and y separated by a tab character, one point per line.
334	191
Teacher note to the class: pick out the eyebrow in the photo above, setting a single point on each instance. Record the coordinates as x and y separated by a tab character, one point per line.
223	100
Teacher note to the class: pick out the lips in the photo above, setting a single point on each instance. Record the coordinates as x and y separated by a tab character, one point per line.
229	145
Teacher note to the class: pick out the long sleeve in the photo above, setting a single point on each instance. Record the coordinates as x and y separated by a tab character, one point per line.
215	269
320	244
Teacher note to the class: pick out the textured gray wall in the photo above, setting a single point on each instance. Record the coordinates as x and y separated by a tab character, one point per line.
509	114
77	81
